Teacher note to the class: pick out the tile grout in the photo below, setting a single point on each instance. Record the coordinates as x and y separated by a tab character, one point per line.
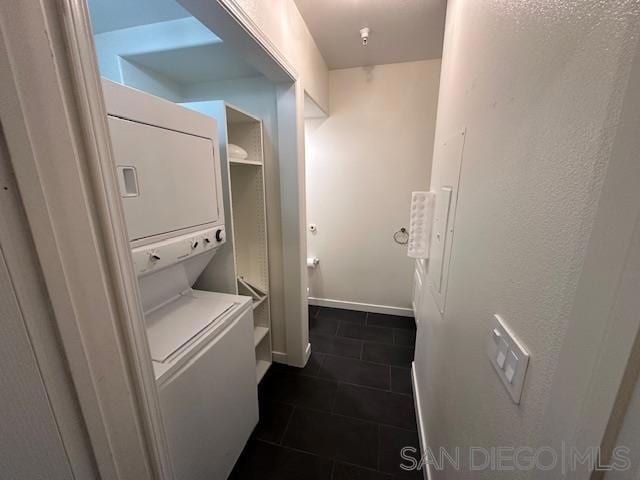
375	342
341	415
408	367
344	382
323	360
335	399
284	432
318	390
333	459
378	446
375	388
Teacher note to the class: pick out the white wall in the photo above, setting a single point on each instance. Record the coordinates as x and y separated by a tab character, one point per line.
31	444
173	34
282	23
363	162
540	87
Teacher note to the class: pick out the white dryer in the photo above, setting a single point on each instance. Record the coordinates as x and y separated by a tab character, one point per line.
201	342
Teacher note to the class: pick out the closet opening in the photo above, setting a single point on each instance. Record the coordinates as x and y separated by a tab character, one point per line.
203	127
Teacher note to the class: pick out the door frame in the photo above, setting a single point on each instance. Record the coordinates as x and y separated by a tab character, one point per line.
54	118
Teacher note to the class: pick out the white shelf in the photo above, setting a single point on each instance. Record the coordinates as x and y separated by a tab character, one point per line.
238	161
261	369
259	333
241	266
257	303
249	225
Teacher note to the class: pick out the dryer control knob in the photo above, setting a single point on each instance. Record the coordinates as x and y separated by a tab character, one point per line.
194	244
154	257
219	235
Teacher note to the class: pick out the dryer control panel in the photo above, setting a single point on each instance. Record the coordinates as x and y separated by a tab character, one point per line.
159	255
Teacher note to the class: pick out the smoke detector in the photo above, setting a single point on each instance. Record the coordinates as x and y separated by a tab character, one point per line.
364	35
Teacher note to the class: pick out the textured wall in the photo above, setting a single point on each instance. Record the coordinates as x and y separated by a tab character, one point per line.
363	162
539	86
282	23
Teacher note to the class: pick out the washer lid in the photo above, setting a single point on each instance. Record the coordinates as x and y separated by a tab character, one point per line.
172	326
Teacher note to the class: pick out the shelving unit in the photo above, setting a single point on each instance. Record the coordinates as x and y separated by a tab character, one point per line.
241	266
258	334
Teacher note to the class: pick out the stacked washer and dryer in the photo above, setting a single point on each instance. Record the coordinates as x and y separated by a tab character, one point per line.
201	342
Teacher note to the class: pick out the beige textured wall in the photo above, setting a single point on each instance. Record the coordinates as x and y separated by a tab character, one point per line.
540	87
363	162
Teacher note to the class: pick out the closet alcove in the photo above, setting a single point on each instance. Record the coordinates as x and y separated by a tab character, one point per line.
159	47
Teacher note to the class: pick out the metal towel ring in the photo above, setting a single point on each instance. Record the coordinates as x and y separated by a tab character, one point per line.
401	237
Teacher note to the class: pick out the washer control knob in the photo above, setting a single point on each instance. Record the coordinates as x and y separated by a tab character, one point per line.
153	256
219	235
194	244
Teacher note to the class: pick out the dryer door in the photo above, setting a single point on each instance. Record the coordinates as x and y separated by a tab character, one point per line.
167	178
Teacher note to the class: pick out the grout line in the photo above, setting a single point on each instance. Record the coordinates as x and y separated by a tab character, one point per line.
338	381
335	398
379	438
375	342
407	367
333	460
284	432
391	343
320	365
342	415
375	388
368	469
294	449
358	360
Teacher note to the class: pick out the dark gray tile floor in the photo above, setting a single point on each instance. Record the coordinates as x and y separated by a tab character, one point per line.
348	413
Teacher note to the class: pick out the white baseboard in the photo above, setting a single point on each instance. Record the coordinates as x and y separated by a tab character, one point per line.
422	434
361	307
279	357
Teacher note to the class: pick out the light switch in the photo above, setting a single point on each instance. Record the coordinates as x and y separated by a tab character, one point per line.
511	365
496	335
503	348
508	356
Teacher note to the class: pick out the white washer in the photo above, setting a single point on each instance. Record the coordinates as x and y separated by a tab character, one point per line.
201	343
204	361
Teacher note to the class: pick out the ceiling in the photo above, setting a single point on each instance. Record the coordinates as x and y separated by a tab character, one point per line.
203	63
401	30
109	15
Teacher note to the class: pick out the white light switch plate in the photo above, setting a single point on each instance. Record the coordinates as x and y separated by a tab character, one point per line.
511	366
